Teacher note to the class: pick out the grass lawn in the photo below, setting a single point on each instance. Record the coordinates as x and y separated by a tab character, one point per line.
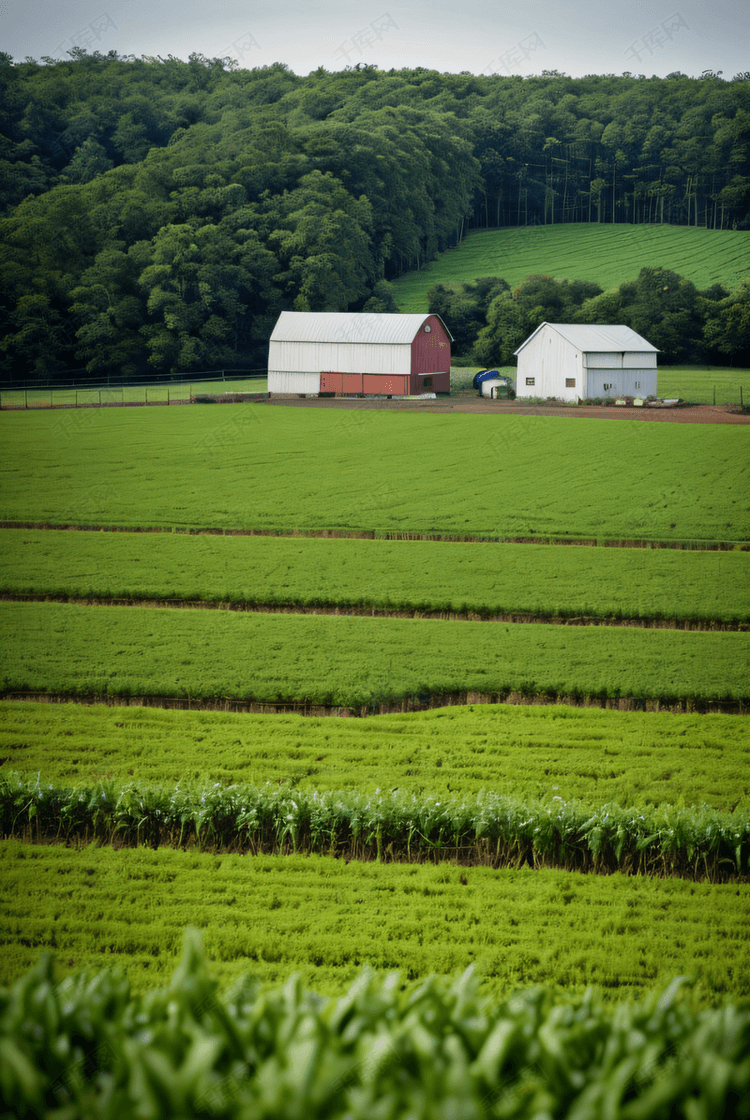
129	394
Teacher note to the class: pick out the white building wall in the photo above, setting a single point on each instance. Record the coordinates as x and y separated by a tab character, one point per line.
603	383
549	361
639	359
285	381
339	357
595	360
620	383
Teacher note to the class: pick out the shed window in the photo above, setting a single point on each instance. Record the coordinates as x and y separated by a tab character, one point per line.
637	384
530	381
570	382
427	383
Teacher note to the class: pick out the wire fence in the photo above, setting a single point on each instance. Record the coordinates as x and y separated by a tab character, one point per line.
98	395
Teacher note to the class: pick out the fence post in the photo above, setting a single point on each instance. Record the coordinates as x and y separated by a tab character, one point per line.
26	398
742	403
714	394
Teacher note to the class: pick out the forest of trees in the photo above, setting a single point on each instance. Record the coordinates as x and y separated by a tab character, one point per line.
156	215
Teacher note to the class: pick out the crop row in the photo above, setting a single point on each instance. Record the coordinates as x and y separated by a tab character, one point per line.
490	829
430	1050
256	467
531	752
484	580
325	918
352	662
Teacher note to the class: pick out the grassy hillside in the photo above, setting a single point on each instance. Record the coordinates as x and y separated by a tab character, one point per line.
607	255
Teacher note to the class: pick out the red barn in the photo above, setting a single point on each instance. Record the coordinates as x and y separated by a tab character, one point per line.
315	352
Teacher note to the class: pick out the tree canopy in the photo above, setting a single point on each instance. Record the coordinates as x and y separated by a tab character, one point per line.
156	215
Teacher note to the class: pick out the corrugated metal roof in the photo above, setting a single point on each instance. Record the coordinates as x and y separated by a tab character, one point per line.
598	337
348	326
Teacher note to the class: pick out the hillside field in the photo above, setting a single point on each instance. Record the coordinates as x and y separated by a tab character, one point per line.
606	255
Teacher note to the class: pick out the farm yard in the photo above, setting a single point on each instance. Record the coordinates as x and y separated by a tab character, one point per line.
542	776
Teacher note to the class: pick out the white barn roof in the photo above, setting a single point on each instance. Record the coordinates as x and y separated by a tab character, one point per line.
348	326
597	337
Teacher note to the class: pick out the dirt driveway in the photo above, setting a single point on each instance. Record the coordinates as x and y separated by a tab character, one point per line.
466	400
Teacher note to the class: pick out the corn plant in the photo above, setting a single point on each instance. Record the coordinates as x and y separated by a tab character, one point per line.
699	842
88	1047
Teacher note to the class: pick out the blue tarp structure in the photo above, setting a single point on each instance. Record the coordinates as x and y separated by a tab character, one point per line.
487	375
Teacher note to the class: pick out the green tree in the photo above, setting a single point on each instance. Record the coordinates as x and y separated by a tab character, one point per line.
727	329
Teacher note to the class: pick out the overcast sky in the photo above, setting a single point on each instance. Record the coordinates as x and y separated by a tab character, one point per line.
589	37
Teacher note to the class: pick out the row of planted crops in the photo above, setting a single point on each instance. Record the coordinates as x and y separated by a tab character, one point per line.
491	829
597	847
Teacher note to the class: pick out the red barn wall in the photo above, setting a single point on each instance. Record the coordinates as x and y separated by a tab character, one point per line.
431	350
385	383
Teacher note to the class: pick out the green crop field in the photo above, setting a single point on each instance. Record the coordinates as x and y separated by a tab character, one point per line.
256	467
352	662
495	788
415	576
532	753
605	255
323	919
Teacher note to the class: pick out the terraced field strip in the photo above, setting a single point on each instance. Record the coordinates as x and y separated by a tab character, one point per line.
607	256
631	758
205	656
532	753
276	469
325	919
388	577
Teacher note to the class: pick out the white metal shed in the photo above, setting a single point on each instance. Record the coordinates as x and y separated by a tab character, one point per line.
572	360
358	352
